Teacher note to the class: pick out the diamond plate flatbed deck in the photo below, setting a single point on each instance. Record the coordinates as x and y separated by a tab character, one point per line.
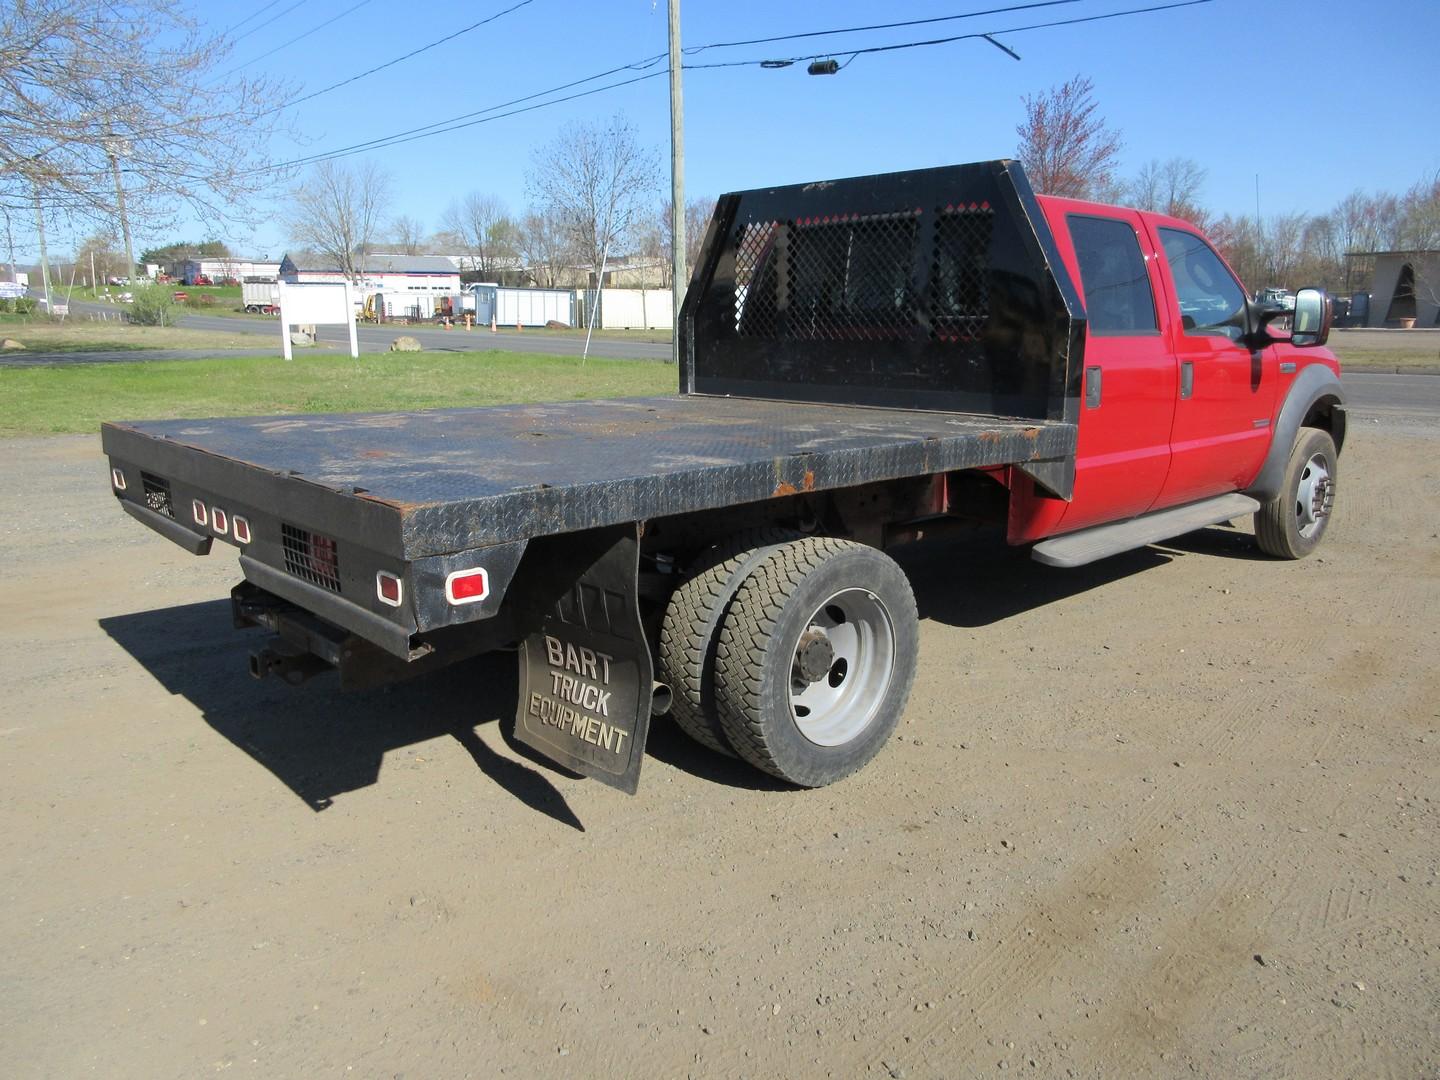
428	483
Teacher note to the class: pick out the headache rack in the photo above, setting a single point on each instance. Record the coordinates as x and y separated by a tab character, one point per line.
936	289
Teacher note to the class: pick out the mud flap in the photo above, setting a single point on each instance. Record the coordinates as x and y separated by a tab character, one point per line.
586	675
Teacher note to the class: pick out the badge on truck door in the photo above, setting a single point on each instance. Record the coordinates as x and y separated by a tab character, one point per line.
586	676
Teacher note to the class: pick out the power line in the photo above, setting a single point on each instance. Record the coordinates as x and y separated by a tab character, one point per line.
297	37
253	15
267	22
852	53
399	59
440	126
480	116
696	49
413	134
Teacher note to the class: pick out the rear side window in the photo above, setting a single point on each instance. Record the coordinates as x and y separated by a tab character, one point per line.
1211	300
1118	298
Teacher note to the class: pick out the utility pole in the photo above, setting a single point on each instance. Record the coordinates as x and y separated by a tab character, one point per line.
44	258
113	144
10	246
678	277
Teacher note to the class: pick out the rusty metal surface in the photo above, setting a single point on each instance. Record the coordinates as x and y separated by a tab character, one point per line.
463	478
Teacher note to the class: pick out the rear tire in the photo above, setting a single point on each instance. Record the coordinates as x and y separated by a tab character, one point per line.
1292	524
816	658
690	630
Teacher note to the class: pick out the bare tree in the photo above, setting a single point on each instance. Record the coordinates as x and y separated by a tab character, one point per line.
1170	187
1284	247
482	226
108	260
698	212
92	91
1065	146
337	212
1420	216
408	235
595	182
544	247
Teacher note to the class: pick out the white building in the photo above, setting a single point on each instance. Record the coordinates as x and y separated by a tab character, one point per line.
429	274
227	269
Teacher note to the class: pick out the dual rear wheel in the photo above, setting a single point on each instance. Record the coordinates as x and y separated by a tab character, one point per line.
795	653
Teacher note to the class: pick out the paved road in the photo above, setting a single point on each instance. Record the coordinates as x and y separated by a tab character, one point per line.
1412	394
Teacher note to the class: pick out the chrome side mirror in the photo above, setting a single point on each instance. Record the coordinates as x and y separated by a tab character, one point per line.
1310	324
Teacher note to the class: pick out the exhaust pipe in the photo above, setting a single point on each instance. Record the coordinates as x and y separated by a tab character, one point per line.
660	699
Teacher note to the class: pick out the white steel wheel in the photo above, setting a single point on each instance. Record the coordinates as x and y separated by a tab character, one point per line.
843	663
1292	524
815	659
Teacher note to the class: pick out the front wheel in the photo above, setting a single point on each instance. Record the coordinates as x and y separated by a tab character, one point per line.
815	660
1291	525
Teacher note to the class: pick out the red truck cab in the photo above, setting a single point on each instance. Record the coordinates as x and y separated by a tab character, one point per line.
1184	383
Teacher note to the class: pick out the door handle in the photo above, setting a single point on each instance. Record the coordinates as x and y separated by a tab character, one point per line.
1092	387
1187	379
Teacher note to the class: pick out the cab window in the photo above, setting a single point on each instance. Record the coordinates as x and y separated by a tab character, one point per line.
1211	300
1118	298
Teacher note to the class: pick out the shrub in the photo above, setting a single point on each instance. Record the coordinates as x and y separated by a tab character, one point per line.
153	307
18	305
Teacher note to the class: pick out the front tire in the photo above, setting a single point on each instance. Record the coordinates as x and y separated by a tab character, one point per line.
1292	524
815	660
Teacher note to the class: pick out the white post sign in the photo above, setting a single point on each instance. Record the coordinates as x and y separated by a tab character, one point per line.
320	303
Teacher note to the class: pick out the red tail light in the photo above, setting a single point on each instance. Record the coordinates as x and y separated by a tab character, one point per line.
388	588
241	529
467	586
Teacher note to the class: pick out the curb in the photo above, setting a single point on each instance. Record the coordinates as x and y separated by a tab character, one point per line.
1397	369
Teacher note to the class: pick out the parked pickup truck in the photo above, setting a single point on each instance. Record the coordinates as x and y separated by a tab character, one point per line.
864	362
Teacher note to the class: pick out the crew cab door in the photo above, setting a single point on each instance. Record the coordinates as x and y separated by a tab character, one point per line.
1225	396
1129	385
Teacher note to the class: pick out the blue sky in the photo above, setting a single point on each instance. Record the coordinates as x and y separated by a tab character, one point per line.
1318	98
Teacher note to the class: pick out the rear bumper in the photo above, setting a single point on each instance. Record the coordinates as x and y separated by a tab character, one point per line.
193	542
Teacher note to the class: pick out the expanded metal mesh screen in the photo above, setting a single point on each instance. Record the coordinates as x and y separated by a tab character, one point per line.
863	277
935	288
311	556
157	494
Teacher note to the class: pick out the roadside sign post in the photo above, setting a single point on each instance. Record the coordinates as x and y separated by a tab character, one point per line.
317	303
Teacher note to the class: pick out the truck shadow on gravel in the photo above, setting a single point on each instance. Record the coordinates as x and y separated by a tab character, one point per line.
977	581
316	740
321	742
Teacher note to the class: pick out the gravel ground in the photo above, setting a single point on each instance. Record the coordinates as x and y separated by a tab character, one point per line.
1170	815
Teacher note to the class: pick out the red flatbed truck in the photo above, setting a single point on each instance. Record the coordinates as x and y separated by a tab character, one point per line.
864	362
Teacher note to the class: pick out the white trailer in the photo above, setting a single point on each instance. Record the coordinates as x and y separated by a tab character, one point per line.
262	297
510	306
633	309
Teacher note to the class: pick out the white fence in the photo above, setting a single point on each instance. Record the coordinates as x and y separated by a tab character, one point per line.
633	309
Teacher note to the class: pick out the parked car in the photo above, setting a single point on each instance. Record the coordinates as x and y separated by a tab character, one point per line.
1284	299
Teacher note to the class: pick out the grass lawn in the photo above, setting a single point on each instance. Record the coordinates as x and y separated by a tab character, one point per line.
1387	354
79	333
76	398
1388	360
